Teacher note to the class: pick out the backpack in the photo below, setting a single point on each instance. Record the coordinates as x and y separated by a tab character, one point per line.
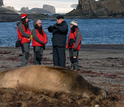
18	43
71	41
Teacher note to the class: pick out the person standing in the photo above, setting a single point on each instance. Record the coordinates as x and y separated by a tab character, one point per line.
59	31
74	44
39	41
24	35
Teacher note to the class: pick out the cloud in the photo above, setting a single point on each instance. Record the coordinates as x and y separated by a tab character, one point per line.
61	6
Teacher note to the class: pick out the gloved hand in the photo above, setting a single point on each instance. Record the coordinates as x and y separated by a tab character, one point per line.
31	36
55	27
50	28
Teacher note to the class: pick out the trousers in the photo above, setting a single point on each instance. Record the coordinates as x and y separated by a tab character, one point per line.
59	56
25	53
38	53
74	61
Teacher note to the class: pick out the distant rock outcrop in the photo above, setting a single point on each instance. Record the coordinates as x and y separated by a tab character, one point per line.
25	9
1	2
33	10
8	15
74	6
39	10
49	8
92	8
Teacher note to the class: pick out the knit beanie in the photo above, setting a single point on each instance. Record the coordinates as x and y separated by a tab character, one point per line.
38	21
74	22
24	16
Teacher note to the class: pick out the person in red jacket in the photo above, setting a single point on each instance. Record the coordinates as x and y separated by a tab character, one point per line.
74	44
24	35
39	41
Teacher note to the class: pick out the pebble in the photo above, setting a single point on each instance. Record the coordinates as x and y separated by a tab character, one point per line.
96	106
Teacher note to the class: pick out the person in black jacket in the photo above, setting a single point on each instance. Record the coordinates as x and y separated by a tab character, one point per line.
59	30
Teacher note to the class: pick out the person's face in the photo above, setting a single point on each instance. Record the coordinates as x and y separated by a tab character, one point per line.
59	21
71	25
39	24
26	20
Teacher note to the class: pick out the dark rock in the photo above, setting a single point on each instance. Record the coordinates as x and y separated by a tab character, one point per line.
1	2
8	15
101	8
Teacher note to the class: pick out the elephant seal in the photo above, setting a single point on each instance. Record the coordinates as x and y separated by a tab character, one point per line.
39	78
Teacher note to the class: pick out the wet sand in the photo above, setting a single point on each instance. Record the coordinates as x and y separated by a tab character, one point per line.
101	65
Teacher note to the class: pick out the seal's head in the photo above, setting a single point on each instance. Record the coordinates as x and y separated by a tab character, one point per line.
103	94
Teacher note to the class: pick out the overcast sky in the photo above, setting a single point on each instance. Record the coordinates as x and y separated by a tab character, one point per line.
62	6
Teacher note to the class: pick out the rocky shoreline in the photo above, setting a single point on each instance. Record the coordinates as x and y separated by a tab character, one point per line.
15	17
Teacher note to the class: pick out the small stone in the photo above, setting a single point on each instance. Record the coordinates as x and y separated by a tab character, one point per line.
96	106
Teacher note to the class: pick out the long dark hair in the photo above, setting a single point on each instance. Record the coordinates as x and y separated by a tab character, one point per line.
25	23
73	28
40	30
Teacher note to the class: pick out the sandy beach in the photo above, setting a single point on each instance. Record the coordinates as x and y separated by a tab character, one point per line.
101	65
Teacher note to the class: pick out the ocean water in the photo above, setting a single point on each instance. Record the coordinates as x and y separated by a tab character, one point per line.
94	31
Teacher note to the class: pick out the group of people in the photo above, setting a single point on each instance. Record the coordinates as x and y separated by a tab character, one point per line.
39	40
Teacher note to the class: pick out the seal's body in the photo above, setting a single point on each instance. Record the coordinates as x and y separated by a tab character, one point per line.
38	78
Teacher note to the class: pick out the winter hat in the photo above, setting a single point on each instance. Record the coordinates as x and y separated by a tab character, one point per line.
60	17
74	22
38	21
24	16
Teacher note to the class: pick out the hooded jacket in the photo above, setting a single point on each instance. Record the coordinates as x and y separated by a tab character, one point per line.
38	39
23	35
18	32
59	34
77	38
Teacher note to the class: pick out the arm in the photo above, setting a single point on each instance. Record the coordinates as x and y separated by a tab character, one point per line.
45	37
34	33
50	28
77	39
67	46
63	28
22	31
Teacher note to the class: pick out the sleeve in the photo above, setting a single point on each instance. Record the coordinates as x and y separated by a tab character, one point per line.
67	46
34	33
18	33
50	28
45	37
77	39
22	31
63	28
